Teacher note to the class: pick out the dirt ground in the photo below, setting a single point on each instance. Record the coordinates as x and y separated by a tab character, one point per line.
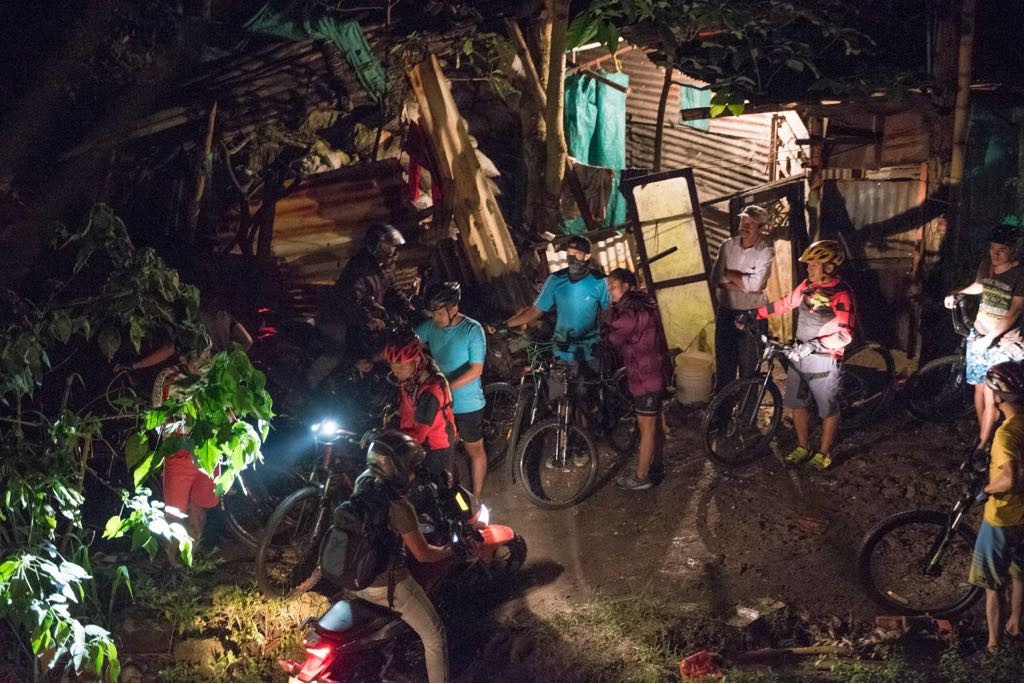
767	530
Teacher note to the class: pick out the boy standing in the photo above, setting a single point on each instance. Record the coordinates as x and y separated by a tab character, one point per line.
1001	533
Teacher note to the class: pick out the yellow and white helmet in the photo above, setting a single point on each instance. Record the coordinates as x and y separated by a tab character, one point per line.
824	252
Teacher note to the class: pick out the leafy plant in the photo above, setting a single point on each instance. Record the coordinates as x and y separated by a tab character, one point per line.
56	429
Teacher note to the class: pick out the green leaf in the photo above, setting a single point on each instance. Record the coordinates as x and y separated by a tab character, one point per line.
135	449
736	108
142	470
716	110
608	35
581	30
113	528
109	340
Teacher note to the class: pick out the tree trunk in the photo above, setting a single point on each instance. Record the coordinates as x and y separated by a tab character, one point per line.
659	128
558	17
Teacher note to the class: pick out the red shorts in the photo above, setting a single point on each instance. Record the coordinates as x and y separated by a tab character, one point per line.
184	483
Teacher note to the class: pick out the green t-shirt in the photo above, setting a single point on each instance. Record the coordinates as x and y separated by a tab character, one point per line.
998	291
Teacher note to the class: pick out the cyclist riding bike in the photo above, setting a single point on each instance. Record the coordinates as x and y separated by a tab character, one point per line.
996	336
363	303
825	327
392	459
425	404
1001	535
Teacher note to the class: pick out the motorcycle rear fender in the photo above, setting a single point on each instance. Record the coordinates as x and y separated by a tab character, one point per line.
496	535
349	622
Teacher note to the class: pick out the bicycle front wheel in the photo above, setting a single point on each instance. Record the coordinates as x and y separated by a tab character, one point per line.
938	392
740	421
499	413
866	383
547	482
288	559
895	565
250	502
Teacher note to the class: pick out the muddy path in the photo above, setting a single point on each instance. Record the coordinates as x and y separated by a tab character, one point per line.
723	538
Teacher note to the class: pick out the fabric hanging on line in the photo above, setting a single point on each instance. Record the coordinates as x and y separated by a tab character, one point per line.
595	131
596	184
692	98
417	146
294	22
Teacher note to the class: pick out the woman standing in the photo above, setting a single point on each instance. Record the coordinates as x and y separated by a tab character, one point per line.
634	329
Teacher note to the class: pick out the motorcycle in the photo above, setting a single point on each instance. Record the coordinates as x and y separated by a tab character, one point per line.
356	640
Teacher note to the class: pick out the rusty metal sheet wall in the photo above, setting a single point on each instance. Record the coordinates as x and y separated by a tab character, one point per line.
320	225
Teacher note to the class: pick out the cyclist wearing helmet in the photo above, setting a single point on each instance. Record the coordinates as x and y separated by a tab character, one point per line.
1001	535
391	460
824	328
996	336
458	346
425	404
364	300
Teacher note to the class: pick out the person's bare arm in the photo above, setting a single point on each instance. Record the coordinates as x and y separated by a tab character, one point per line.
465	375
525	317
157	356
423	551
240	335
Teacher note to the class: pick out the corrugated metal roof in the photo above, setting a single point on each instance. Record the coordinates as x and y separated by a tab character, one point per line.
733	156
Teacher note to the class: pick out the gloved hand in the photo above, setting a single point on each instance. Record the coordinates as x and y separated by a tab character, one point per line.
746	318
802	350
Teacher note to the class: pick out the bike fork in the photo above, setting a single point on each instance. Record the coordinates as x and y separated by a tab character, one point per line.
562	435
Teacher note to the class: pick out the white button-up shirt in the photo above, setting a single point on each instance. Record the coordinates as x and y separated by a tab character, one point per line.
754	263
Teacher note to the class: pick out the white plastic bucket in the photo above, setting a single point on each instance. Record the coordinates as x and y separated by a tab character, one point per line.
694	371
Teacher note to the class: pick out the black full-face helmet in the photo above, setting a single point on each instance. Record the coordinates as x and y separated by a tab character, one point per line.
392	456
380	234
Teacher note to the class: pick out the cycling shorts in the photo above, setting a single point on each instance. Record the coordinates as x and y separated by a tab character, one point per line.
470	425
819	384
184	483
980	360
996	555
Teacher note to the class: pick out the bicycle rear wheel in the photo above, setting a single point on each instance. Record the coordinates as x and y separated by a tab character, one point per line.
866	383
938	391
740	421
893	565
250	502
545	482
499	412
288	559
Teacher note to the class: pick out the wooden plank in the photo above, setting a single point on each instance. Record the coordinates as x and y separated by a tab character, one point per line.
482	229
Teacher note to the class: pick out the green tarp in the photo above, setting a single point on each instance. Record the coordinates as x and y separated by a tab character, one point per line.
692	98
595	132
291	20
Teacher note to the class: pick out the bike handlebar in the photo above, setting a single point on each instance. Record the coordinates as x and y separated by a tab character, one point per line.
961	323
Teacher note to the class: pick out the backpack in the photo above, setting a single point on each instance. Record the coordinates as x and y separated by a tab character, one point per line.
360	544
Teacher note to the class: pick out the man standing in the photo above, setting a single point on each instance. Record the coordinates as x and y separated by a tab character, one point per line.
578	294
739	276
459	346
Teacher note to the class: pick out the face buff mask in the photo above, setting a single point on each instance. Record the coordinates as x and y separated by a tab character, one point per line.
578	268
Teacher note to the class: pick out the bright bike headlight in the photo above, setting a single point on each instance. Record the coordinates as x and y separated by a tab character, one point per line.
325	428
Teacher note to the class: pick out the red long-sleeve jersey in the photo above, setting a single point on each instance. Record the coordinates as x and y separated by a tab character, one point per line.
425	410
825	313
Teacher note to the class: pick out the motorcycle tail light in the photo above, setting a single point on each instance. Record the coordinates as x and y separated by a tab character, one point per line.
320	654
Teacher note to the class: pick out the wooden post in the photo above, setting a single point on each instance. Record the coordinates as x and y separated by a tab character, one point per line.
659	128
960	120
197	197
558	16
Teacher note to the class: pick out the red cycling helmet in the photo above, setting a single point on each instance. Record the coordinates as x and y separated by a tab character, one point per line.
404	348
1007	380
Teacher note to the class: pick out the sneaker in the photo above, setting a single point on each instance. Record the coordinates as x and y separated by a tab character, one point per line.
633	483
798	455
821	461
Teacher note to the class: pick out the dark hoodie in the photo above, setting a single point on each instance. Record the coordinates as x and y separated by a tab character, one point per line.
635	332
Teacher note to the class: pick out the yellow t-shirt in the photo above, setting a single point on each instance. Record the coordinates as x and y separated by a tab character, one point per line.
1002	510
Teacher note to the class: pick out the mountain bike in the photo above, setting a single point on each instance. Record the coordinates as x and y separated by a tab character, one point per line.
287	560
939	391
556	458
742	419
917	562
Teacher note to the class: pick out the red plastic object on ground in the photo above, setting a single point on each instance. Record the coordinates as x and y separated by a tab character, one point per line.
701	664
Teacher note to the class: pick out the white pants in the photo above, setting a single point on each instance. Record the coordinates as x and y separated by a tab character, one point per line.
412	603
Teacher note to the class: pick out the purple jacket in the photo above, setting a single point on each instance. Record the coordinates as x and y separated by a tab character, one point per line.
635	332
